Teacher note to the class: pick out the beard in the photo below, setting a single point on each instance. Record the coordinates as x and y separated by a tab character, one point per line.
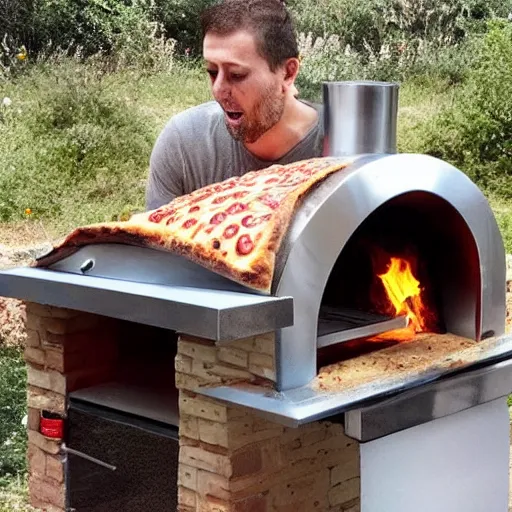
265	114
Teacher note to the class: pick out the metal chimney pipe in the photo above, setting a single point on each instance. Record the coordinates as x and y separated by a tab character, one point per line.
360	117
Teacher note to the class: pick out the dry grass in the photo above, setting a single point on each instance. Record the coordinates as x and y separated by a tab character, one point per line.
25	234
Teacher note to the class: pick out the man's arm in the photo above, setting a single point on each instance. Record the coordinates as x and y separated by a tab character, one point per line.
166	169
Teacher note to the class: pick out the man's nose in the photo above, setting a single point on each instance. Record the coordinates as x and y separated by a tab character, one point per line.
220	86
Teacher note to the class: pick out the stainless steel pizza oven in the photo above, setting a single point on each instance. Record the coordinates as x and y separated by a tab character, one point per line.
321	290
394	202
322	302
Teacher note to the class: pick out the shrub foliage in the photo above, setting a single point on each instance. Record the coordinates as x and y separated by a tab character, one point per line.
475	132
12	410
74	146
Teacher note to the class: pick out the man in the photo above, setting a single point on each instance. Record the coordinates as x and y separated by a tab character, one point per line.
251	56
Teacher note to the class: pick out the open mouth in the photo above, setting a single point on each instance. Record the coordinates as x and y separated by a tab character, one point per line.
234	116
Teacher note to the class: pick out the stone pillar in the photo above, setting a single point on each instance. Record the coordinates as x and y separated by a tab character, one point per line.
65	350
232	460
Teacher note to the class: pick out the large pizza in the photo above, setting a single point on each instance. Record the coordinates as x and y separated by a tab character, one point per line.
234	227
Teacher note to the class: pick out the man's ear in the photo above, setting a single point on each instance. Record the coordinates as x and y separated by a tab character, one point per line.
291	70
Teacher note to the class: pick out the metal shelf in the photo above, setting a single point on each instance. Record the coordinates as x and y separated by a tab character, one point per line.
170	292
340	325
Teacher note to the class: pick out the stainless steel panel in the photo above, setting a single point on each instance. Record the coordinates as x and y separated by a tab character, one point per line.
214	314
332	213
302	405
360	117
156	404
430	402
143	265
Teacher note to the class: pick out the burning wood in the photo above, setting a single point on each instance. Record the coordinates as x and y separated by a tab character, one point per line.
404	295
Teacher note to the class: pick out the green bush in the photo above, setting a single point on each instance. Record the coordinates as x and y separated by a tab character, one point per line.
12	411
16	21
475	132
390	40
367	26
127	31
325	59
72	147
180	19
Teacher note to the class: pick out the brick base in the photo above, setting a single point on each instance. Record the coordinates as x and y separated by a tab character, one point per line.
65	350
232	460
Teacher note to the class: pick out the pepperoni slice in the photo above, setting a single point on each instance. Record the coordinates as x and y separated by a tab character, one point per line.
202	197
229	184
170	220
272	180
189	223
159	214
220	199
269	201
240	194
231	231
249	221
236	208
194	209
244	245
218	218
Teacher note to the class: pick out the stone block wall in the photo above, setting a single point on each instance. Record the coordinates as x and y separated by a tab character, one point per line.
232	460
65	350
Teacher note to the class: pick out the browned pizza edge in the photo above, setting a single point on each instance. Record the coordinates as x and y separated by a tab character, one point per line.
89	235
259	278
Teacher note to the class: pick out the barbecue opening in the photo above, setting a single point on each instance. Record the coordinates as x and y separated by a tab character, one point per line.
414	256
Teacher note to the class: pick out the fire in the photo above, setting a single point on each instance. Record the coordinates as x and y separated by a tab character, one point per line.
404	294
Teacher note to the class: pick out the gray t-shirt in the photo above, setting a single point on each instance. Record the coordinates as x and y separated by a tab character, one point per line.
195	149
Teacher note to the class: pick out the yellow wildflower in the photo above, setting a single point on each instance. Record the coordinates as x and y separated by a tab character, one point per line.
22	55
28	211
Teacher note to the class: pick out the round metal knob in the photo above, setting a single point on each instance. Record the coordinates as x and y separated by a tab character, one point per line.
87	265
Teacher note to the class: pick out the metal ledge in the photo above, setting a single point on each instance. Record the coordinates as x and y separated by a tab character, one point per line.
488	377
220	315
430	402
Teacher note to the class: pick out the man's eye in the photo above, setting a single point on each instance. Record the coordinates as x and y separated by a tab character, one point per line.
236	77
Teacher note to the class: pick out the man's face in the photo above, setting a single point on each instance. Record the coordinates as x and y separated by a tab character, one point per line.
251	95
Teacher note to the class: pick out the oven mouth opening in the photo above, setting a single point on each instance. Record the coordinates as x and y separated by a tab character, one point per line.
416	242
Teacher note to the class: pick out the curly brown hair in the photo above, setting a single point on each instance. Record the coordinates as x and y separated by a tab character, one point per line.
269	21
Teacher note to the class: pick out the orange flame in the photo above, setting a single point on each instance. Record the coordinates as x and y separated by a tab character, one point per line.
404	293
